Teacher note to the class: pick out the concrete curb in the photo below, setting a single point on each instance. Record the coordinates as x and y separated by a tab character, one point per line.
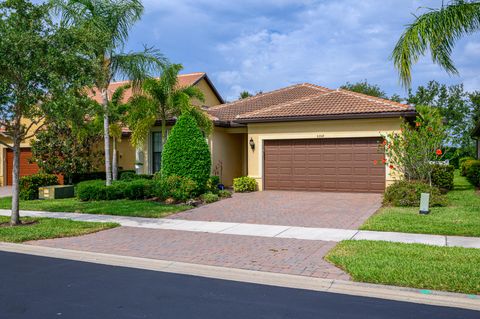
437	298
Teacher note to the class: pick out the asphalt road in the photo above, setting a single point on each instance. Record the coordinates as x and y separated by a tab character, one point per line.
39	287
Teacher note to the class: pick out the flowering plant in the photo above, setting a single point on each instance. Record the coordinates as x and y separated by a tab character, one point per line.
412	151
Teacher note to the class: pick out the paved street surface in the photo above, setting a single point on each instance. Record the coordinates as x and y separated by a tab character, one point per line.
39	287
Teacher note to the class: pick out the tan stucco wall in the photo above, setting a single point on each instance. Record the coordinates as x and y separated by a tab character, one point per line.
228	148
210	97
314	129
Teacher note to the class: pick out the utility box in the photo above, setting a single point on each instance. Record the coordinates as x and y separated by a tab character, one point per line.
56	192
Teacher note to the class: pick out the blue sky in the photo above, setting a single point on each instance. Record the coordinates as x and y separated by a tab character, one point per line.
263	45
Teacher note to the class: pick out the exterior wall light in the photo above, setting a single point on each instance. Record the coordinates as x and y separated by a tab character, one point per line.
252	144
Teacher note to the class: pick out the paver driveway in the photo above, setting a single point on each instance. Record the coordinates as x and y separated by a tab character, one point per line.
281	255
309	209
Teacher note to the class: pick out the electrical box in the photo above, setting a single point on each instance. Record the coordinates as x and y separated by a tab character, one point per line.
56	192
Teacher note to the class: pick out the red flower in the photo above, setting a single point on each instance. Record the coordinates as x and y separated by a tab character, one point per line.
375	162
417	124
430	129
384	142
384	161
391	166
439	152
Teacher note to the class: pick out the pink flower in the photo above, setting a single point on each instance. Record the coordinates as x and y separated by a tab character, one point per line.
375	162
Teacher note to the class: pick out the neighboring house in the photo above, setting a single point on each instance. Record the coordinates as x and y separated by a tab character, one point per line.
476	136
126	152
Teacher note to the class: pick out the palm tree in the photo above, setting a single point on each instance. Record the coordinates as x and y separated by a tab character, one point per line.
110	21
164	99
437	30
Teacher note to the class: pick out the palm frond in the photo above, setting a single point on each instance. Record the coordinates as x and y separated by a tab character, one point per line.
140	118
137	66
119	93
437	30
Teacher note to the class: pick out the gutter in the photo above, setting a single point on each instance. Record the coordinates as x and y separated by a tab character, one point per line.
406	114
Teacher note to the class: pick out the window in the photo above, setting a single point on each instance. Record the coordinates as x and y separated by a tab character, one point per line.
157	148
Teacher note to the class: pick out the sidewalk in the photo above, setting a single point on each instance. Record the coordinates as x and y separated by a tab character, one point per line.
260	230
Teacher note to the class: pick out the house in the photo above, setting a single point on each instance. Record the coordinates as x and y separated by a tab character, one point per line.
306	137
476	136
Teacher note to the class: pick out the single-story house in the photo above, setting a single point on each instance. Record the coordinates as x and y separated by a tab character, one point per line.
301	137
476	136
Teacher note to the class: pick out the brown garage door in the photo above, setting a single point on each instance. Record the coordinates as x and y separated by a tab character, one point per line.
340	165
26	168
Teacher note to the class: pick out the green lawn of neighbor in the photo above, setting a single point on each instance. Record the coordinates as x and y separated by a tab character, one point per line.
411	265
122	207
47	228
461	217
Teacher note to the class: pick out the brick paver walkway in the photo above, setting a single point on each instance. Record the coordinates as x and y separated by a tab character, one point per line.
289	256
309	209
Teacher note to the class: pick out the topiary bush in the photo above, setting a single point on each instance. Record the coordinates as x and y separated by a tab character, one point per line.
177	187
209	198
244	184
407	194
186	153
442	176
472	171
462	163
29	184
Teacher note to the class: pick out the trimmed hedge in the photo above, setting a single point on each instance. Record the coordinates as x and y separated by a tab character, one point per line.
129	176
29	184
442	176
77	178
244	184
407	194
186	153
462	164
472	171
97	190
208	198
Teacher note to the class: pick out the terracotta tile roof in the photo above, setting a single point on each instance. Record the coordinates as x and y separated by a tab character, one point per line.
302	101
339	102
183	80
229	111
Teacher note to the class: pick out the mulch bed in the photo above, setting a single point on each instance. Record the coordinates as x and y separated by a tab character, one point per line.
23	223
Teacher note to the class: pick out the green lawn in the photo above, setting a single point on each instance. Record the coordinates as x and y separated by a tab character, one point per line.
410	265
123	207
48	228
461	217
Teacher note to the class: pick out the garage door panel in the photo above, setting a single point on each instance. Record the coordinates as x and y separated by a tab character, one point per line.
344	164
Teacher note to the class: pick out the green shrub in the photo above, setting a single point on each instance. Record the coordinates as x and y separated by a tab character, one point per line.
442	176
97	190
472	171
407	194
209	198
129	176
91	176
176	187
462	163
224	194
29	184
138	189
212	184
186	153
244	184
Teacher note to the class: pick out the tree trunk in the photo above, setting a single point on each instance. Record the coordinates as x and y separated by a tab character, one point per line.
106	137
15	217
164	131
114	160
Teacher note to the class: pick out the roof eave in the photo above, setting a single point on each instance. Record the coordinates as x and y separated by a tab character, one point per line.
406	114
